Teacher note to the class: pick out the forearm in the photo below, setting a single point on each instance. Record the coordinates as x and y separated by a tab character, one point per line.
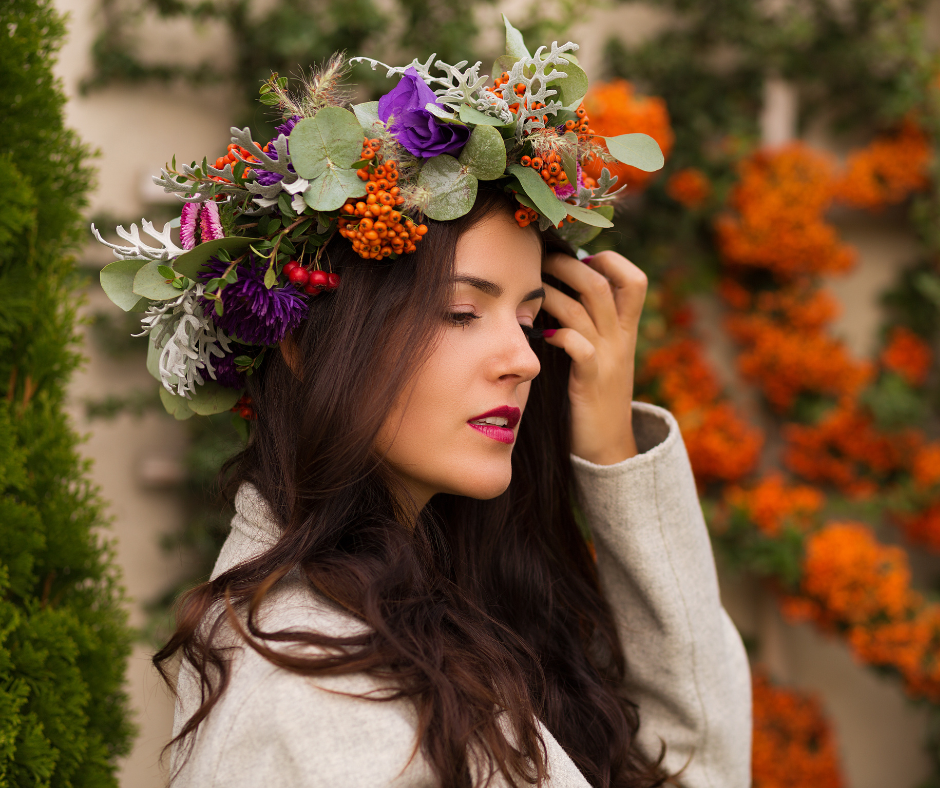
686	665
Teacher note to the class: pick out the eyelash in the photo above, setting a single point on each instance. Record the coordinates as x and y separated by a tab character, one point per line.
463	319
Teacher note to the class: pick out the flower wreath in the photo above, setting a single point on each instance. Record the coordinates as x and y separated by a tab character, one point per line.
254	223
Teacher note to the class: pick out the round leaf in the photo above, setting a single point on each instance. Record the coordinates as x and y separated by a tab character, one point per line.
484	155
117	281
150	283
177	407
540	193
578	234
453	189
367	114
210	398
189	263
637	150
332	136
573	87
333	188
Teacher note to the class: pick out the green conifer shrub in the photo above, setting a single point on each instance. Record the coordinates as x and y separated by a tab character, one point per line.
64	638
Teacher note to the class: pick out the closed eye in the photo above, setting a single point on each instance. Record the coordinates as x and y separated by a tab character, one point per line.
462	319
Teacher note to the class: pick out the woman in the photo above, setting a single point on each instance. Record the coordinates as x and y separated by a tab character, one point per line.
407	596
377	512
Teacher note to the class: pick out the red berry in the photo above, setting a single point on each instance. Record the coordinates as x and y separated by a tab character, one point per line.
319	279
299	276
245	413
288	267
332	281
311	289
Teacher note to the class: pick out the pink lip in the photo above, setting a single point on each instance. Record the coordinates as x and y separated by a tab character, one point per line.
501	434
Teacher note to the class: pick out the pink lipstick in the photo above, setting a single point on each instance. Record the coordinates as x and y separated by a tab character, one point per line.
498	423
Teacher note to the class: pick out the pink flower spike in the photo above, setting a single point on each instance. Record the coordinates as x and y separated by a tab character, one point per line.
210	226
188	225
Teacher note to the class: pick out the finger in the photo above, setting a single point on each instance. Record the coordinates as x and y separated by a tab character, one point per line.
629	285
568	312
596	292
582	352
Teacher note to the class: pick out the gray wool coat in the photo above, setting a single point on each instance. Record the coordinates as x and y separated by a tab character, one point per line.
687	668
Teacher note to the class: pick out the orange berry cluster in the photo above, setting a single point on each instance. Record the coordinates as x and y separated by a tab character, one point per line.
525	216
519	90
230	158
373	225
582	125
548	166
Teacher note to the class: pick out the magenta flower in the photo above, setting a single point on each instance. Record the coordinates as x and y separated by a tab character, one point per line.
188	225
416	129
210	225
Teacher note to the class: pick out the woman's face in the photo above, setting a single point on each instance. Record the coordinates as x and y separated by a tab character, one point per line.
482	366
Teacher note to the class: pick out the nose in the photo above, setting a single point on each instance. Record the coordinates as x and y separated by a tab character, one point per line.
517	361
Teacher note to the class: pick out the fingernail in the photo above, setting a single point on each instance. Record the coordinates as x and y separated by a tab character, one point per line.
587	259
549	332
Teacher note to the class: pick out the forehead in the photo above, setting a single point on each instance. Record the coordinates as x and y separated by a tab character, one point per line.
498	249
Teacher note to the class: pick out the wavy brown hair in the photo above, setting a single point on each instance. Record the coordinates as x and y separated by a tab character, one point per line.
473	606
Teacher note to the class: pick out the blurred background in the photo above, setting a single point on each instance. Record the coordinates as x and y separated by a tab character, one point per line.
793	247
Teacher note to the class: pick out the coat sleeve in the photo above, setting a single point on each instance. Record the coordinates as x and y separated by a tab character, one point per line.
686	665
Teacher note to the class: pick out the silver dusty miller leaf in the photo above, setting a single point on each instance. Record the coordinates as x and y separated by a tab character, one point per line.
599	194
192	339
138	250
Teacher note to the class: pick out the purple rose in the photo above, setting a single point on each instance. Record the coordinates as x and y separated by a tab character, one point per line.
418	131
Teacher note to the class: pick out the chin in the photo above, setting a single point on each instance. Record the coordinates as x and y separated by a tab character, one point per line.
482	483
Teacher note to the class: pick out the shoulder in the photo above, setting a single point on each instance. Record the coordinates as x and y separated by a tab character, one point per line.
275	725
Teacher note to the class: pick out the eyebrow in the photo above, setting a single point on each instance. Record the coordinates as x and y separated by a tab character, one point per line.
493	289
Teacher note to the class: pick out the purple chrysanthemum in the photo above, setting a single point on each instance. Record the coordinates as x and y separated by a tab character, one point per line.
188	225
210	225
253	313
266	177
288	125
225	372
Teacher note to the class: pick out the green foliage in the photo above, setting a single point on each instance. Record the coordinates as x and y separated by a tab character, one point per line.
288	36
63	634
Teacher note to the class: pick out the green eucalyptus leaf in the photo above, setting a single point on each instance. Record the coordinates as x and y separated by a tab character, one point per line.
473	116
153	359
210	398
453	189
515	45
637	150
150	283
578	234
484	155
189	263
571	89
504	63
367	114
546	203
117	281
332	137
333	187
568	161
591	217
177	407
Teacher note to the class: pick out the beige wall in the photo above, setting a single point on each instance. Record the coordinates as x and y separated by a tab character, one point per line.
138	129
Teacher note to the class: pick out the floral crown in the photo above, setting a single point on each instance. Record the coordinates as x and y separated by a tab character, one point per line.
255	222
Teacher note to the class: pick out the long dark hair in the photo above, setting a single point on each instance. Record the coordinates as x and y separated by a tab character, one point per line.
474	606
